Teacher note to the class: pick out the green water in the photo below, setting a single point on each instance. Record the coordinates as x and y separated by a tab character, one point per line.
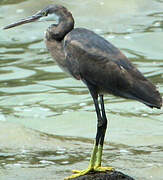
47	119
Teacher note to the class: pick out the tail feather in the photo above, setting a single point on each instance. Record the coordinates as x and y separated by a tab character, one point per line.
145	92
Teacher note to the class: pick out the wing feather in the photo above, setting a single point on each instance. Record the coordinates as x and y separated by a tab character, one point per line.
95	60
87	52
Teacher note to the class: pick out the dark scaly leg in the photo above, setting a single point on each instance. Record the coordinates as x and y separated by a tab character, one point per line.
96	157
103	130
98	166
92	162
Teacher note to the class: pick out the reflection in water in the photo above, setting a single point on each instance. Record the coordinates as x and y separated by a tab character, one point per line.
35	93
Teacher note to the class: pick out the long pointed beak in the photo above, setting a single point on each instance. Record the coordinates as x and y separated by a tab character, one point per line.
24	21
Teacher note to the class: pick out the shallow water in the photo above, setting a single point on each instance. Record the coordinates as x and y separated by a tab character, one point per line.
47	119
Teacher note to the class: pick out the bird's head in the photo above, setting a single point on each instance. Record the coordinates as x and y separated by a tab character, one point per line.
50	13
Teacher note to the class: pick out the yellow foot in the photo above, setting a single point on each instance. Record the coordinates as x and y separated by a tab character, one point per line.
84	172
103	169
79	173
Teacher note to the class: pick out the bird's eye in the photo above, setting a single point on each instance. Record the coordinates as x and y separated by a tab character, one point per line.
44	13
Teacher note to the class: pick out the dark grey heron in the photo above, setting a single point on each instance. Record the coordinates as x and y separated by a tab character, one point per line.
100	65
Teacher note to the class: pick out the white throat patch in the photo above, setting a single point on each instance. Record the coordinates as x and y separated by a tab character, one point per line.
50	17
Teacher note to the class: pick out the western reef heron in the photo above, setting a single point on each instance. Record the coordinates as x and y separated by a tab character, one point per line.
100	65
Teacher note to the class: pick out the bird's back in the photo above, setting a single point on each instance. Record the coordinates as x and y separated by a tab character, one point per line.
98	62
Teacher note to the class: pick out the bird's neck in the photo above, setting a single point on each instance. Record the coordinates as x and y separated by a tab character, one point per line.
58	32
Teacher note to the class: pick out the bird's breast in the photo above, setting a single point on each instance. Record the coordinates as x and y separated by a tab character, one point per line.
55	48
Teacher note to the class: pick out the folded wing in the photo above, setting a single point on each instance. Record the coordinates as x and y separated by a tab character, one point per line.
93	59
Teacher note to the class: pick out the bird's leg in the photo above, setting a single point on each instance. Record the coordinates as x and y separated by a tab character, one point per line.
95	161
103	130
98	166
96	157
95	149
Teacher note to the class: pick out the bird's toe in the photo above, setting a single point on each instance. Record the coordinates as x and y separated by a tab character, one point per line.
78	173
103	169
